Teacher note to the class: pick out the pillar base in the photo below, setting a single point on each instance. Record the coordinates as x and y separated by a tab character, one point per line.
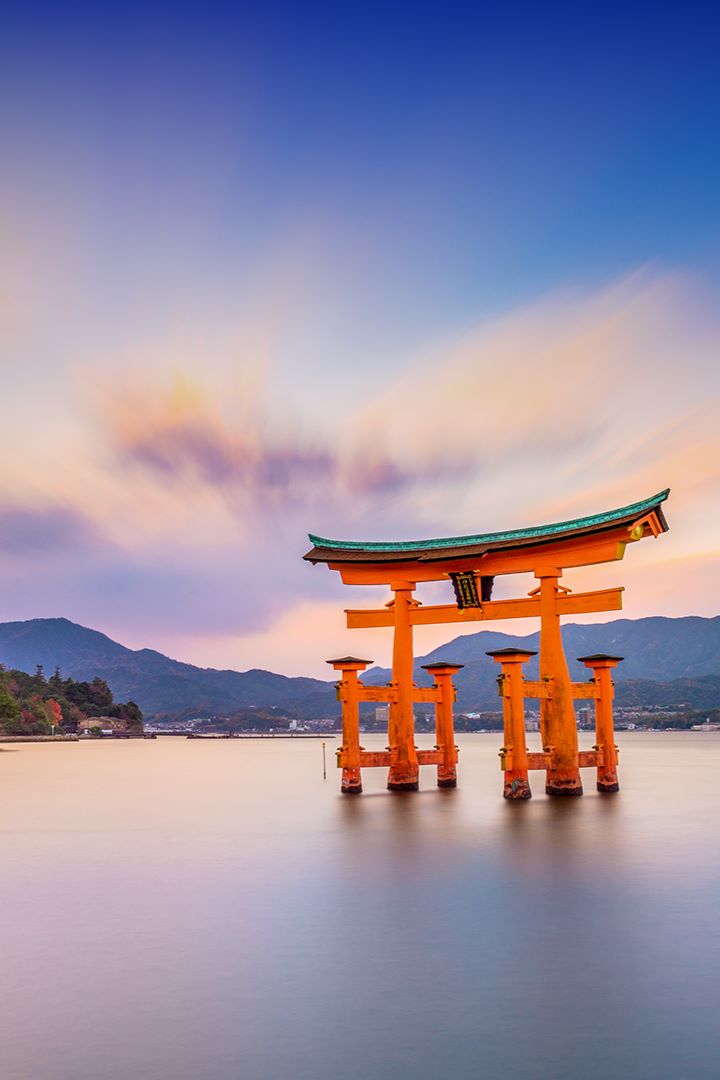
446	776
351	782
570	785
608	783
404	777
517	789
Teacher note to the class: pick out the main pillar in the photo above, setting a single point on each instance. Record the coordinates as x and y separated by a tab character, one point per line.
444	729
349	754
601	665
557	713
514	752
403	775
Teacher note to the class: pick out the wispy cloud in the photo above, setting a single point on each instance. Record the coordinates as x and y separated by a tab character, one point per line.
184	507
181	436
31	531
184	435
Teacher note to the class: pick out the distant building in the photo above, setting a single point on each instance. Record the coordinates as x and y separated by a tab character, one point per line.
382	714
586	719
107	725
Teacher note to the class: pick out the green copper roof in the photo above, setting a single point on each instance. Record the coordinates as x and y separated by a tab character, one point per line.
538	531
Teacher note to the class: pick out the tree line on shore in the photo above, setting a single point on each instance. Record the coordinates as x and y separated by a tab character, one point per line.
36	705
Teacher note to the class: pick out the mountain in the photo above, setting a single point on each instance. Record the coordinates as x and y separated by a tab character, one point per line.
677	653
161	687
700	693
668	661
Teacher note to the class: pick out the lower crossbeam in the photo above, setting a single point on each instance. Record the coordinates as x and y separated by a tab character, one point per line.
371	759
587	759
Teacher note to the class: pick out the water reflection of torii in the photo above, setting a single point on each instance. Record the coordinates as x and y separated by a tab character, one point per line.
469	562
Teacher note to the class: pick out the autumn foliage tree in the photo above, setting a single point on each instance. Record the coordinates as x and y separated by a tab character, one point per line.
53	712
33	705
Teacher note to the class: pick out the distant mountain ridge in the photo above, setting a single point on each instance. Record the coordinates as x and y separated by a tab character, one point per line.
667	661
161	686
659	653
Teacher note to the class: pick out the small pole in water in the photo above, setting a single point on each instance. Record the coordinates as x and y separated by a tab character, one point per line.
324	765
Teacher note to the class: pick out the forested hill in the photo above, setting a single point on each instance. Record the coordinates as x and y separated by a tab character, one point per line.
36	705
666	660
163	688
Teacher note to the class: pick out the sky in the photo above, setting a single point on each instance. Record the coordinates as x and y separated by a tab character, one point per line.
379	271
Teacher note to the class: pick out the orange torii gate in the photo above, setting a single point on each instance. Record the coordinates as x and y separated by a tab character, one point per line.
472	563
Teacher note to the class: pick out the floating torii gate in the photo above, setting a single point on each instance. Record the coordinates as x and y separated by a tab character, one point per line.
472	563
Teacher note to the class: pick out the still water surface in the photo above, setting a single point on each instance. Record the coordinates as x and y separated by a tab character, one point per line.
184	910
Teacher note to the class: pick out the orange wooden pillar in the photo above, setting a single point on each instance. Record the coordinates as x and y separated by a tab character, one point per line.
557	713
349	753
601	666
443	672
514	752
403	774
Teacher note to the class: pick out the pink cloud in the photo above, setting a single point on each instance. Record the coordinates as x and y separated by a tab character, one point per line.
208	485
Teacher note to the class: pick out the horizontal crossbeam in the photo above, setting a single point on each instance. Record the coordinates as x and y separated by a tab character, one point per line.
536	689
584	690
434	757
587	759
538	761
522	608
427	693
543	689
389	694
370	759
377	693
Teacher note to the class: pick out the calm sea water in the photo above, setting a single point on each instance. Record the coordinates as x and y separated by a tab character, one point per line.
184	910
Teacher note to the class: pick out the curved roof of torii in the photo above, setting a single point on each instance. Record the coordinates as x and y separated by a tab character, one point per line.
336	551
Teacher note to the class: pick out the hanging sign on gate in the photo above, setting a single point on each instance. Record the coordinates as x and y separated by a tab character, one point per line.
466	592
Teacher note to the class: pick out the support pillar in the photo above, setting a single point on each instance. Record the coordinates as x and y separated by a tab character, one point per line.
514	752
443	673
349	753
557	713
403	775
601	666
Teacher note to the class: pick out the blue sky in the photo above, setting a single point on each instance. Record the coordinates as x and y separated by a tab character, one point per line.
236	239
